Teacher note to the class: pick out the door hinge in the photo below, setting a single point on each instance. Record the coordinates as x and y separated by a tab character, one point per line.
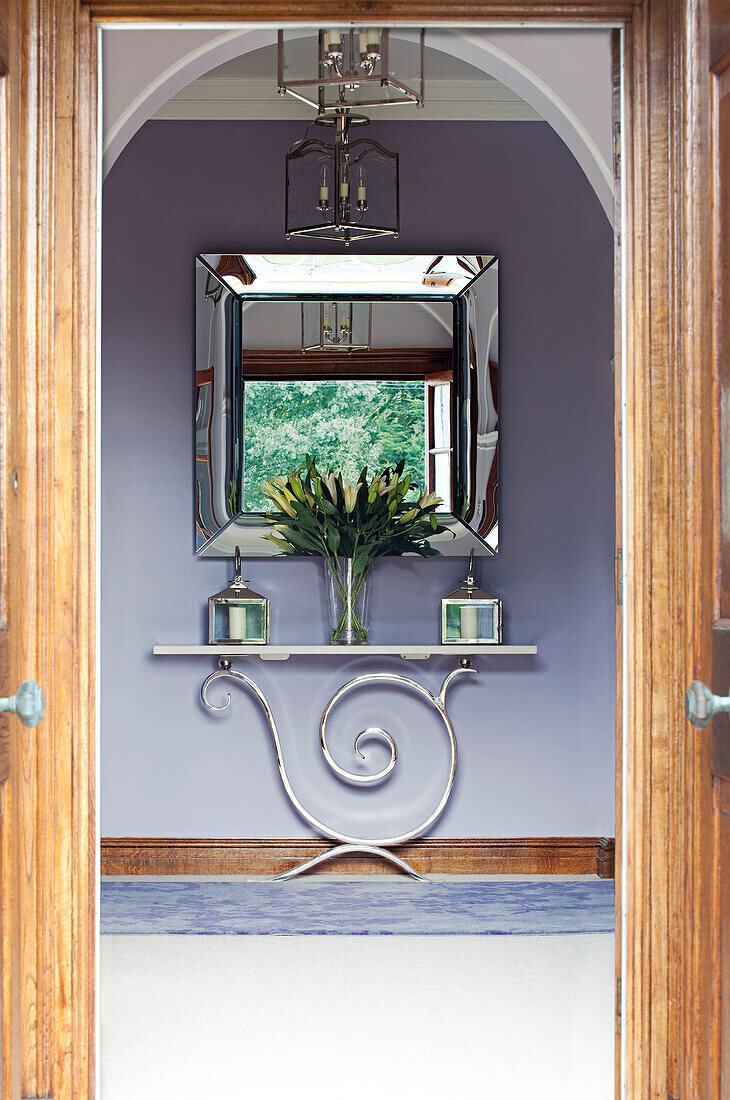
618	1006
618	581
617	150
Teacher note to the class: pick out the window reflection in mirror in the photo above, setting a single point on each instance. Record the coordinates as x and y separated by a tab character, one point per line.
347	425
370	391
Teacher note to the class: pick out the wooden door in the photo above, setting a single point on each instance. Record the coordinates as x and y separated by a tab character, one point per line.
47	547
718	728
9	923
666	439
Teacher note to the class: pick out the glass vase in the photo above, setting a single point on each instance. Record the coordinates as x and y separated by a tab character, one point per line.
349	602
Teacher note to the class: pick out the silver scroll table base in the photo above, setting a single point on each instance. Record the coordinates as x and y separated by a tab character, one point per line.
376	846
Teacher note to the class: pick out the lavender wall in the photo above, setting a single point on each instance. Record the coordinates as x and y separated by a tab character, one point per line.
535	734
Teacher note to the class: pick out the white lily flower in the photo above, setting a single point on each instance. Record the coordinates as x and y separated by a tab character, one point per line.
350	493
331	482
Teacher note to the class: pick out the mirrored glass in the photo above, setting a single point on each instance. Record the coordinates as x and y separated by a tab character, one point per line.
479	406
357	361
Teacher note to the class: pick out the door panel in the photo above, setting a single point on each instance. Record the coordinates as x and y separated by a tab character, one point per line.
9	938
719	730
47	496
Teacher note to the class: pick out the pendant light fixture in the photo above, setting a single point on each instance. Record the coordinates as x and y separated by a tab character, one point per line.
340	184
355	67
336	326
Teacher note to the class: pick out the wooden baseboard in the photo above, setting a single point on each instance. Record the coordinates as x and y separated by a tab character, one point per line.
524	855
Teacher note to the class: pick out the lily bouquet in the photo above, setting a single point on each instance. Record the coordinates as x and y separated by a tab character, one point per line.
350	525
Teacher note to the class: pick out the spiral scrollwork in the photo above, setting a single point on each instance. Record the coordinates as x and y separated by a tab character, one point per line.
371	733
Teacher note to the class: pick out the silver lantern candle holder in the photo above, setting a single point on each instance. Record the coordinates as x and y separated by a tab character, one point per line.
470	616
238	614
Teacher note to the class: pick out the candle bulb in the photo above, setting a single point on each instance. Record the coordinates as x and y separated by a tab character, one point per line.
324	191
333	41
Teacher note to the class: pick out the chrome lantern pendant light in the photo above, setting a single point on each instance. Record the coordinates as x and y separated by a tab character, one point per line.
336	325
355	67
340	184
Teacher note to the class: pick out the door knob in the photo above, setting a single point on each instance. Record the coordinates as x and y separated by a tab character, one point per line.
27	703
700	704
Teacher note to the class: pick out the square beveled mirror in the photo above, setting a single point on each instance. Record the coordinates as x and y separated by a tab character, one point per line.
357	360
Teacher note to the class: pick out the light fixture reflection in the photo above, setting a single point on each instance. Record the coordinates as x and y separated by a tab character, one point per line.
335	325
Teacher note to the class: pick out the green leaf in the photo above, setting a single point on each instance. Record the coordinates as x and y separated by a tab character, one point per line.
333	539
303	542
361	561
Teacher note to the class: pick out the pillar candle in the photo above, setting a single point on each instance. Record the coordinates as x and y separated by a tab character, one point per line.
469	622
237	625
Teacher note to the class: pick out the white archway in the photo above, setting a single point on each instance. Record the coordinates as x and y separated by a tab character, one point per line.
553	80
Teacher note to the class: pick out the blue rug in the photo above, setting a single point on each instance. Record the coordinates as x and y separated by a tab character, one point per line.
384	907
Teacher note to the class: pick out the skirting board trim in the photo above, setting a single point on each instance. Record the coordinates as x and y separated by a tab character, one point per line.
470	856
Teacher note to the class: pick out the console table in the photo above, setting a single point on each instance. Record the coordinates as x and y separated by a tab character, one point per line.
226	654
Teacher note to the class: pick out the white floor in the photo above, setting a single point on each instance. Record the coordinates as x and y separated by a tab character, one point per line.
349	1017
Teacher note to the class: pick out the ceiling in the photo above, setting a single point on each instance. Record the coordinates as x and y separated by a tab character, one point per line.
245	88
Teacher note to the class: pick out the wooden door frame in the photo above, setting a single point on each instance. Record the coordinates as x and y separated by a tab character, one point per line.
666	895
